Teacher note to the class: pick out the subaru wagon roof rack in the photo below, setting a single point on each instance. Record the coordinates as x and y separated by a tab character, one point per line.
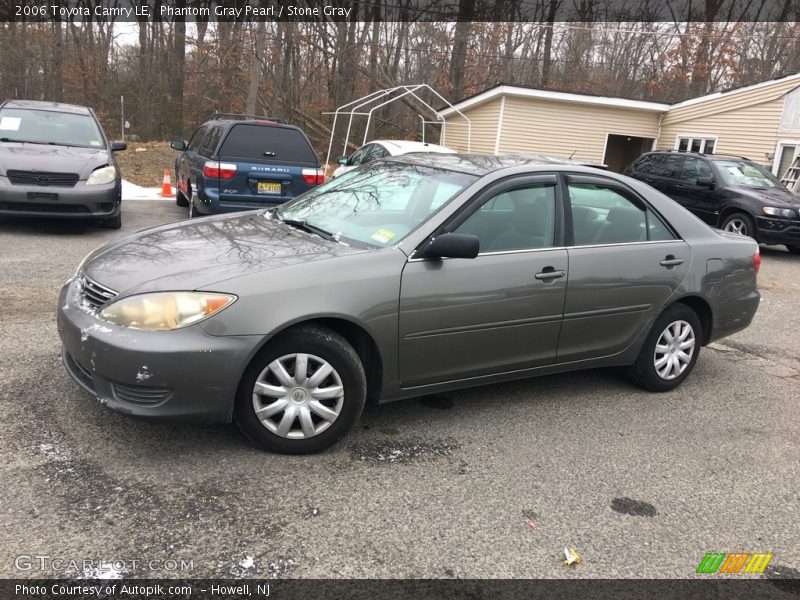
218	115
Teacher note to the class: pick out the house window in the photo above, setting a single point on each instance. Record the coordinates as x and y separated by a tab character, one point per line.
696	143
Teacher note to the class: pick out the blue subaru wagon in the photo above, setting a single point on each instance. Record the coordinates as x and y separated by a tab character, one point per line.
242	162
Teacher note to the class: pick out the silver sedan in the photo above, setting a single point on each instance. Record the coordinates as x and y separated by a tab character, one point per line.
407	276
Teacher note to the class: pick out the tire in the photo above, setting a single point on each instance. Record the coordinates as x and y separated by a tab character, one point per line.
112	222
192	209
180	199
320	413
667	376
793	249
740	223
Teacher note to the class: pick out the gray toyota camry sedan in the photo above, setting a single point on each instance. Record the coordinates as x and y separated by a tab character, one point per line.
408	276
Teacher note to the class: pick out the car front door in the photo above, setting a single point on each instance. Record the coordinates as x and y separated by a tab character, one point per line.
624	264
498	312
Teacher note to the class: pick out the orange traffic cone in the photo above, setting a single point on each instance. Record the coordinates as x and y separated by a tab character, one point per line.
166	185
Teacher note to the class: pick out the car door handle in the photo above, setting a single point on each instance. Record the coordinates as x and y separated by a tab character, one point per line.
549	273
671	261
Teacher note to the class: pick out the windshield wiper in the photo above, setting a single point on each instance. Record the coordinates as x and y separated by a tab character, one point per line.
306	226
10	140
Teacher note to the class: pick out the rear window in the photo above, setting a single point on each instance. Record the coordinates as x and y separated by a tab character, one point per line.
267	143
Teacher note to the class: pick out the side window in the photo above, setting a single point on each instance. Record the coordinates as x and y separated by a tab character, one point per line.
693	168
647	165
656	230
194	142
669	166
603	215
360	155
517	219
378	151
209	144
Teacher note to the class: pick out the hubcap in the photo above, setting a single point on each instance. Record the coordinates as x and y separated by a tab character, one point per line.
298	396
674	350
736	226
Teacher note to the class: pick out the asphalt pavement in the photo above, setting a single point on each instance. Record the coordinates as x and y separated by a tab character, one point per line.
491	482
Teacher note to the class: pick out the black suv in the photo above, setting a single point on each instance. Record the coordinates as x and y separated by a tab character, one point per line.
242	162
729	192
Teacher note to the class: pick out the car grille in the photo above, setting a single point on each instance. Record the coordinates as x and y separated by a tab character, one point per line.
135	394
39	178
94	294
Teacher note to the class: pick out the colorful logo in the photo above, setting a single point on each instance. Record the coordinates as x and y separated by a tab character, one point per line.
734	563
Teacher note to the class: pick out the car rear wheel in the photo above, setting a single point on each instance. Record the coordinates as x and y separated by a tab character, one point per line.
180	199
302	393
740	223
192	209
670	351
793	249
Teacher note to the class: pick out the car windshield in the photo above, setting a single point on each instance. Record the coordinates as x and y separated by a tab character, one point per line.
377	205
50	127
744	173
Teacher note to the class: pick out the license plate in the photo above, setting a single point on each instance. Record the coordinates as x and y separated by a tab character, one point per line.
269	187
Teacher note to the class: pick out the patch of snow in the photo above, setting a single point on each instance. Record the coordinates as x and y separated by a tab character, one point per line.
103	570
143	375
131	191
96	328
243	567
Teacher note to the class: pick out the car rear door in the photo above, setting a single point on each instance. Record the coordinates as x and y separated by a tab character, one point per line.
274	163
702	200
501	311
625	263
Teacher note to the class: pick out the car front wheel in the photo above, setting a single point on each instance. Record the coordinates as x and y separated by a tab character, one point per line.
739	223
302	393
670	351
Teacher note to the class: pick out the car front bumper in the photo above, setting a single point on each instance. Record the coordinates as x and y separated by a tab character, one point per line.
80	201
184	374
778	231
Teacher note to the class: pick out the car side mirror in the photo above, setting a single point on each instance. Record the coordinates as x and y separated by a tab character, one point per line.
179	145
118	146
705	181
343	160
452	245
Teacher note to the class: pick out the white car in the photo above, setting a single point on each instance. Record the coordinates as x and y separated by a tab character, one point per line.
380	148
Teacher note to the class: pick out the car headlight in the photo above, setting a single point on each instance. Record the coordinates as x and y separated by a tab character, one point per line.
102	176
163	311
787	213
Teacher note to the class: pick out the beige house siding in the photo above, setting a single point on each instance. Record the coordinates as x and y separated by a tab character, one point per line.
745	123
536	126
483	120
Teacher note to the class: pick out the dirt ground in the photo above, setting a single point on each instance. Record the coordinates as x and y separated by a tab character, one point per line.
143	163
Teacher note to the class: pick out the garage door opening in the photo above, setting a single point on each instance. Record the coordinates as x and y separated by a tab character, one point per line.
622	150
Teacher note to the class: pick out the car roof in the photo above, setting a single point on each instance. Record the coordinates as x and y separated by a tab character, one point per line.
265	122
481	164
701	155
51	106
411	146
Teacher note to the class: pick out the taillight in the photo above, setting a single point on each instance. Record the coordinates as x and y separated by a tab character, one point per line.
219	170
757	260
313	176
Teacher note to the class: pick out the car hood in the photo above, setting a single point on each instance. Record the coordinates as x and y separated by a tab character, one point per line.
193	254
777	196
51	159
